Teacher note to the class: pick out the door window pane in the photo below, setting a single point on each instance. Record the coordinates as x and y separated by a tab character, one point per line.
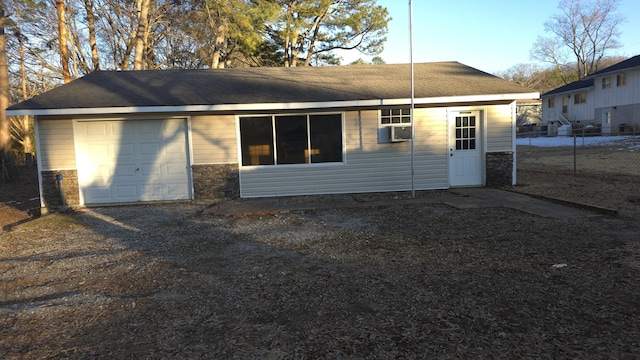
465	132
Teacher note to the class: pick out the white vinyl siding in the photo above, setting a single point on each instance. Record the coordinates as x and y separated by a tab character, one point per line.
369	166
213	139
551	114
56	145
500	119
583	112
619	95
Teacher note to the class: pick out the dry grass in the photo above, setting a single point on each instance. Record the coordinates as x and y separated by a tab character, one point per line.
387	282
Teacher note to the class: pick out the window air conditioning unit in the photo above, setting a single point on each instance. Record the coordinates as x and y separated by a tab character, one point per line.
399	133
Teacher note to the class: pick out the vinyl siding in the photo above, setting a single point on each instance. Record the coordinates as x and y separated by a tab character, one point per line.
56	145
500	127
214	139
369	166
551	114
618	95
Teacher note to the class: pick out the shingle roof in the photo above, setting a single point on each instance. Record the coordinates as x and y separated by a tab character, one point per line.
576	85
106	89
627	64
588	81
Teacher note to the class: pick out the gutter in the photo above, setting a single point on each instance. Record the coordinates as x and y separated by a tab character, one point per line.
269	106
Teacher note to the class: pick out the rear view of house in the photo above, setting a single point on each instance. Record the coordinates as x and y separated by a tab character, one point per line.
608	100
122	137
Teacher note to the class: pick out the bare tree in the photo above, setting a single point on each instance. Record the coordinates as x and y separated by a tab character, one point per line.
5	127
62	40
581	36
91	23
21	126
142	38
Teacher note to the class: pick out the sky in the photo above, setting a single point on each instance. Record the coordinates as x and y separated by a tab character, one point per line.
490	35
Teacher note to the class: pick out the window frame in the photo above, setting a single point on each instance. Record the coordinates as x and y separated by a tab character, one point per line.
551	102
580	98
621	80
606	83
402	116
274	144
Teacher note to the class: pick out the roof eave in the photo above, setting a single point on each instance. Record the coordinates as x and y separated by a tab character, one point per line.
612	72
271	106
566	92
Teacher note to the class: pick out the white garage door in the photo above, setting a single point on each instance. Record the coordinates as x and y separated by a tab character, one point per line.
132	160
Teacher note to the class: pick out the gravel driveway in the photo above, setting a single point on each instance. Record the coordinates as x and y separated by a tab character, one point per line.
381	282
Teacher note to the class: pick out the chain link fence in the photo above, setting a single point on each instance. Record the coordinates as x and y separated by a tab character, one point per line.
580	154
590	169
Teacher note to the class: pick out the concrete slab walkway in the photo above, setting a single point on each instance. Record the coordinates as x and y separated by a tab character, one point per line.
466	198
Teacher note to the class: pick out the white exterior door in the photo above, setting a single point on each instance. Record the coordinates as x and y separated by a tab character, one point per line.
465	149
132	160
606	122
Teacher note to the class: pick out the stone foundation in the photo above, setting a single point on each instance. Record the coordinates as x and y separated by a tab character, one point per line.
216	182
57	195
499	169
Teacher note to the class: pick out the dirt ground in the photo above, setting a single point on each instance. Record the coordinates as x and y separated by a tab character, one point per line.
604	177
387	282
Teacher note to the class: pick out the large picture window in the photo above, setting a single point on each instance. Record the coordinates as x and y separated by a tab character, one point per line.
291	139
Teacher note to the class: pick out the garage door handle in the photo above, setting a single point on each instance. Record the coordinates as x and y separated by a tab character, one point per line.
137	169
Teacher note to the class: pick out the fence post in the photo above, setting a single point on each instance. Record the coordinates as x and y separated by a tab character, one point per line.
574	154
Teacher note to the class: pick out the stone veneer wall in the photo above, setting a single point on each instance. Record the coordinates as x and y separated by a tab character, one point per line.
216	182
499	168
51	193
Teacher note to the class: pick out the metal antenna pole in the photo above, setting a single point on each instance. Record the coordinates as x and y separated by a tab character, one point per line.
413	125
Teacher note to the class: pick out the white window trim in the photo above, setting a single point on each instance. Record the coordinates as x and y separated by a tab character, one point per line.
383	128
402	114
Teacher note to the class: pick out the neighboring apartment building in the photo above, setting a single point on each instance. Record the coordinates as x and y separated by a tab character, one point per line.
608	100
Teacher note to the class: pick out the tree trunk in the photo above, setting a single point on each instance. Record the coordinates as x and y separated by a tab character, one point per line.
91	22
5	126
23	123
143	23
217	47
62	39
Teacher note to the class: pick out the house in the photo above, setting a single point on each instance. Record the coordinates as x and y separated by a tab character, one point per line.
122	137
608	100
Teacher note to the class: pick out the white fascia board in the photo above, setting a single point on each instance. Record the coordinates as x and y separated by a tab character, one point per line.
271	106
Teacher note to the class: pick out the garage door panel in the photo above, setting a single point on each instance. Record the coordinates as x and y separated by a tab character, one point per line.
174	150
125	171
126	192
128	161
175	169
98	131
176	191
100	193
153	192
126	150
148	128
151	170
154	150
